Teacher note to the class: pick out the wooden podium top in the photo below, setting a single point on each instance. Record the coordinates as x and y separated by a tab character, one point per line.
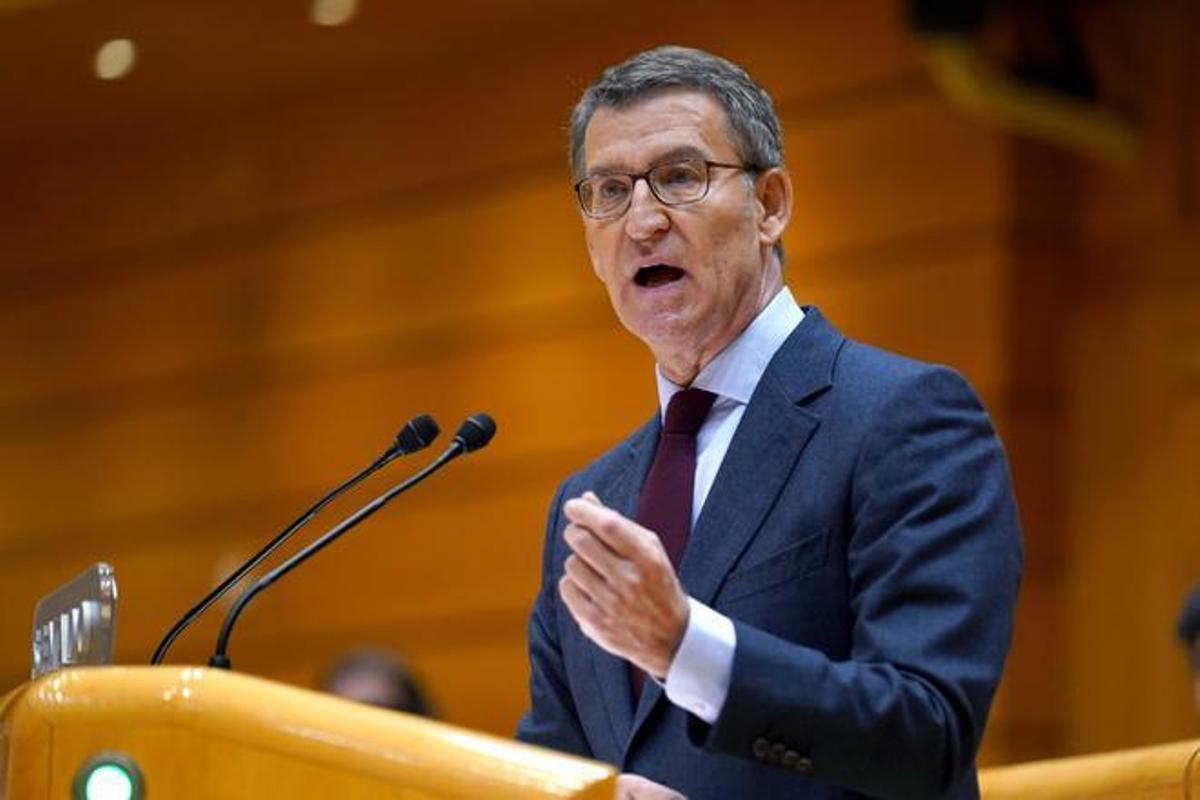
199	732
1167	771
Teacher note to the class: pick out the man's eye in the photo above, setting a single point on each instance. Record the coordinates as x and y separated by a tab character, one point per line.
680	175
608	189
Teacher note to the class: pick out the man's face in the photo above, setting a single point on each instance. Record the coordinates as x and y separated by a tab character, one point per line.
683	279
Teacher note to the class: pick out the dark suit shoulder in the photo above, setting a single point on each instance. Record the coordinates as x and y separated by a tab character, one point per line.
867	378
817	358
863	363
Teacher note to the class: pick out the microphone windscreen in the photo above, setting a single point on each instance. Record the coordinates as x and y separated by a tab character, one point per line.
417	434
475	432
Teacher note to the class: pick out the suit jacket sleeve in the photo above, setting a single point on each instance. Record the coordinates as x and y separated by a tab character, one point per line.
551	720
933	561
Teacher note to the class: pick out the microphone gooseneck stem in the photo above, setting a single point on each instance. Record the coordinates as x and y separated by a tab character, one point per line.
161	651
219	658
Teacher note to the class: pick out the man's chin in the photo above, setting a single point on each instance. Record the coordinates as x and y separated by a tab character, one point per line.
672	331
678	346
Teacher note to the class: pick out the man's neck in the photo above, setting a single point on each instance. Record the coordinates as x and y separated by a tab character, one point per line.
681	366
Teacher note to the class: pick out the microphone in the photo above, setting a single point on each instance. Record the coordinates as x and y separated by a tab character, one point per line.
417	434
474	433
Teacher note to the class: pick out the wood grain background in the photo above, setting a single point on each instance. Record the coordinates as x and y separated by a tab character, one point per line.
229	277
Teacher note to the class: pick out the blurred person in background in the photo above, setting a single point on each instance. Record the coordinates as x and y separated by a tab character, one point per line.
377	678
1188	630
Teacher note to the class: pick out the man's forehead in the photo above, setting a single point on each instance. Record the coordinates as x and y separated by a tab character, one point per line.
660	124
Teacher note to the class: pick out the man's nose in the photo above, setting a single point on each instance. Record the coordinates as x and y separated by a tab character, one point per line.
646	216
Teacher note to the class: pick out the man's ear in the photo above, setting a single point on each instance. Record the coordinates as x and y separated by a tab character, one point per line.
773	190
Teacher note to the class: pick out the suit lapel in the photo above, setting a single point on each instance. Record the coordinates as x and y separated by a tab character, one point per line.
612	673
770	437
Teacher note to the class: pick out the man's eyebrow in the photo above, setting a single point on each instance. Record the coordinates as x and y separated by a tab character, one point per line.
679	154
674	154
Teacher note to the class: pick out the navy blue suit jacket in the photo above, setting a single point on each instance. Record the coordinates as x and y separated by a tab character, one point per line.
862	535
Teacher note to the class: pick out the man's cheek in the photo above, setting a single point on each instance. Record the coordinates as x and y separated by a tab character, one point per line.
594	251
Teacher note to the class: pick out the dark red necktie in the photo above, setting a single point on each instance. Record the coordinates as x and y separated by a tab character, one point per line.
665	505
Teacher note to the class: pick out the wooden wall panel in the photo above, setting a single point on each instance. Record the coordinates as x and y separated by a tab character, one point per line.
354	130
287	294
965	293
1136	551
351	281
1130	502
933	176
281	438
210	329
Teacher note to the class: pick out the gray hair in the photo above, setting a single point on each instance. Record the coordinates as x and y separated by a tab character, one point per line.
754	129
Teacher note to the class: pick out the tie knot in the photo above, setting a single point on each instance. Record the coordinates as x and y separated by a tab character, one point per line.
687	410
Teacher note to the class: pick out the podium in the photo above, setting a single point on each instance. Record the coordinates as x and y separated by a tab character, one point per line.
1168	771
193	732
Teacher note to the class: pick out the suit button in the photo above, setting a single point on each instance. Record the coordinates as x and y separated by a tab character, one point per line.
803	765
761	747
775	755
789	759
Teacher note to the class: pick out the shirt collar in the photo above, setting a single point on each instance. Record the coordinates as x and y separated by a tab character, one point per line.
734	373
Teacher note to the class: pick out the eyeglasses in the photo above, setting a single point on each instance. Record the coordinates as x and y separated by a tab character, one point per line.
675	183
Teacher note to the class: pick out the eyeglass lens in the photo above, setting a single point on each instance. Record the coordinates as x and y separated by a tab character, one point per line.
674	183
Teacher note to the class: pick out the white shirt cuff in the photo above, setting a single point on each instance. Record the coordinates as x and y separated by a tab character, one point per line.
698	678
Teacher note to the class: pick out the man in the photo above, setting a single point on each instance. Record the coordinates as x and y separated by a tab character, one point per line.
1188	630
799	579
377	678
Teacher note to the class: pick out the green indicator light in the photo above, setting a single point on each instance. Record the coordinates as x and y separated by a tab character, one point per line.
109	782
108	775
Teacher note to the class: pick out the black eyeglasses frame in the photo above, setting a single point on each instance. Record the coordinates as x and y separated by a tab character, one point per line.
634	177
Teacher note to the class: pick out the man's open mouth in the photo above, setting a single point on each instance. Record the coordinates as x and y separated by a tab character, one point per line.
657	275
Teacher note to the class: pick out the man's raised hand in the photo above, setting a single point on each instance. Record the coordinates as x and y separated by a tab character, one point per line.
620	587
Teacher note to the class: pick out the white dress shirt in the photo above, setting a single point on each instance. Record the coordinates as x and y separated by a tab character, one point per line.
698	678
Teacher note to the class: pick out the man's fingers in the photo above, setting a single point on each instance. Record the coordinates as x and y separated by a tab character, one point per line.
578	602
590	618
592	549
635	787
625	537
592	583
